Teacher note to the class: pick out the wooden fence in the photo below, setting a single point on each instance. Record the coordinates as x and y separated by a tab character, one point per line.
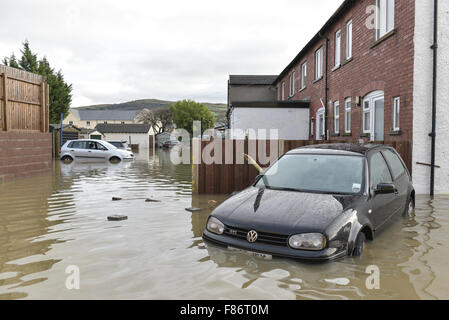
24	101
229	176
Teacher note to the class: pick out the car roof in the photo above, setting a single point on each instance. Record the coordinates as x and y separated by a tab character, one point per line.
338	148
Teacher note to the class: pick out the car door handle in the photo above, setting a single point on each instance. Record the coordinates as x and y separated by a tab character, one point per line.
396	191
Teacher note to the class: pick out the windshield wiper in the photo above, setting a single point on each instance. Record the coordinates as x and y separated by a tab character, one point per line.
283	189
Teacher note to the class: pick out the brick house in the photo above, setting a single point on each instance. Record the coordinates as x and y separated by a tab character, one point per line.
368	73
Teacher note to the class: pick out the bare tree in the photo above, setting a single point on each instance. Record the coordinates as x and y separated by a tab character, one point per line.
160	119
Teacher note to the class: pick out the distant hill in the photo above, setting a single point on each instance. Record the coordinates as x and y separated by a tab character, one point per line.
218	109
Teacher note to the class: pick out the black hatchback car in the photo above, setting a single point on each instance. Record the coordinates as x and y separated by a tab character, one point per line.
316	203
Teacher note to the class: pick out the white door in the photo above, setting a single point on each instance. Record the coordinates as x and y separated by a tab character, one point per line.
374	115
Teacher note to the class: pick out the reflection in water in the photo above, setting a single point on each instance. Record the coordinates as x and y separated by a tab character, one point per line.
52	221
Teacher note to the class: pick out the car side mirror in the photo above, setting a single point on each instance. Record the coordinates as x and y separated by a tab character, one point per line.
385	188
258	177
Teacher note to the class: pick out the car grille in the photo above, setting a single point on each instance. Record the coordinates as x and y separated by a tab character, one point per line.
263	237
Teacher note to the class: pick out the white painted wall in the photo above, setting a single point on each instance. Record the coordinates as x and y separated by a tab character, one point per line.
422	97
293	124
142	139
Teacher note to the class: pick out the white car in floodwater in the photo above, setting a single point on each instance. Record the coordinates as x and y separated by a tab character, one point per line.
93	149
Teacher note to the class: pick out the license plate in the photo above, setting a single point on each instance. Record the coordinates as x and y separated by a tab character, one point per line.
252	253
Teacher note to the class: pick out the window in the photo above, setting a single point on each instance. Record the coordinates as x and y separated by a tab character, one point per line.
292	85
105	122
319	64
379	172
366	117
349	40
78	145
320	124
303	75
70	122
384	17
88	123
279	92
395	163
396	111
283	91
123	122
337	117
306	172
337	48
311	128
348	115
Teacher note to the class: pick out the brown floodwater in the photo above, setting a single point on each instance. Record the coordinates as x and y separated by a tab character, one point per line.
56	220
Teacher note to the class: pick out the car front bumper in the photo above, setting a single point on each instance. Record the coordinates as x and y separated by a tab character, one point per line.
274	250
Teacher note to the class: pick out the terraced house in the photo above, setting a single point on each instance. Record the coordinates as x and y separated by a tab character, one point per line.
378	70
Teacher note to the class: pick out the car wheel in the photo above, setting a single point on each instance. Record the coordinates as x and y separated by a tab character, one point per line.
359	245
67	158
409	207
115	160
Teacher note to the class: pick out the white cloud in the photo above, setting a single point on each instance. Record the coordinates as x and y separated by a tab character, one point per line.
113	51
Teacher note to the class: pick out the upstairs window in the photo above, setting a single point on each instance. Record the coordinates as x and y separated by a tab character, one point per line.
337	48
349	40
303	75
88	123
319	64
384	17
292	85
283	91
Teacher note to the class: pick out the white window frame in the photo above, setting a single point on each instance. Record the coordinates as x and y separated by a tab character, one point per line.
312	127
371	99
396	114
291	88
337	48
349	37
283	91
366	109
336	117
320	118
319	64
348	115
384	17
303	75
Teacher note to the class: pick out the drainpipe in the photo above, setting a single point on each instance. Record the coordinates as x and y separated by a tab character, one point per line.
434	98
326	90
326	93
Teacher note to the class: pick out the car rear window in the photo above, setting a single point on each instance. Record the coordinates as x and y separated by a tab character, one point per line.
395	163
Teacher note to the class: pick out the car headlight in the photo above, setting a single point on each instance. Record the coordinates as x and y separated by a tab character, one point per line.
308	241
215	226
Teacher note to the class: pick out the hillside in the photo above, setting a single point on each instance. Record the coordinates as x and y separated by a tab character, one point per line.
218	109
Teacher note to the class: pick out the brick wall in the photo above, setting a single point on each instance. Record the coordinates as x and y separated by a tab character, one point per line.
388	66
24	154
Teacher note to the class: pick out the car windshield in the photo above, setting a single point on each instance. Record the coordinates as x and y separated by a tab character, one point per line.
332	174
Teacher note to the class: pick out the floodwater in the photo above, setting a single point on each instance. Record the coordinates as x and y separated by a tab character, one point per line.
52	223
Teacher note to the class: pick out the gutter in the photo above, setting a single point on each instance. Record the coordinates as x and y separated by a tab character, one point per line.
434	98
326	93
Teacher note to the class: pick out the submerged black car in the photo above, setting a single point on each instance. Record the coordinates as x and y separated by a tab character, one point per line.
316	203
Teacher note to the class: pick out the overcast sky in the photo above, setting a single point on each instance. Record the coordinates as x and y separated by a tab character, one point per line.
116	51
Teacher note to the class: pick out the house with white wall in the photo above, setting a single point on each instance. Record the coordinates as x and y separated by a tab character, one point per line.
139	136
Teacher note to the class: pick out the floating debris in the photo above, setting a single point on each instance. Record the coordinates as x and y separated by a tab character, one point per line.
152	200
193	209
117	217
339	281
116	199
212	202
